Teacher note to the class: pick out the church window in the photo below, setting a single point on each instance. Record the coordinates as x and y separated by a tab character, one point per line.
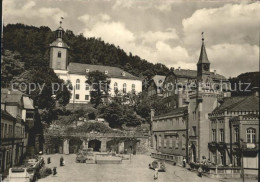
124	88
59	54
77	84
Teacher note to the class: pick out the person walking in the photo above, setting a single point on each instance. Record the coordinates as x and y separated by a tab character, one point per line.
200	171
54	170
61	161
184	162
155	176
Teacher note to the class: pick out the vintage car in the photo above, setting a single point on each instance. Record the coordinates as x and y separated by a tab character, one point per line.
33	163
81	158
158	164
19	175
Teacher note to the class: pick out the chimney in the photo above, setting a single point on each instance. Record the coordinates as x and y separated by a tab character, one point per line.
152	114
255	91
215	72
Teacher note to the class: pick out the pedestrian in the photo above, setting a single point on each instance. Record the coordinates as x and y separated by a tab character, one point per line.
54	171
48	160
61	160
155	176
200	171
184	162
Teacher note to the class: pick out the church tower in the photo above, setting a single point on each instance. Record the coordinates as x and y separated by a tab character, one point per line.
203	65
59	51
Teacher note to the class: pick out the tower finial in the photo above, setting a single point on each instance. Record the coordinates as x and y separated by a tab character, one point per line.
61	18
202	35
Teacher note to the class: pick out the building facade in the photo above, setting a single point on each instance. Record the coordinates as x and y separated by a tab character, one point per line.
234	126
156	85
170	133
77	74
13	140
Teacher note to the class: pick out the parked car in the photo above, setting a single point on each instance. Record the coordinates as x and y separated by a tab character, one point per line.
33	163
18	175
81	158
158	164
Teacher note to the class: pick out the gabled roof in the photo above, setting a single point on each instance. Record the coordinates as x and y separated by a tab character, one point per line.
11	96
245	103
113	72
203	54
6	114
159	80
193	74
177	111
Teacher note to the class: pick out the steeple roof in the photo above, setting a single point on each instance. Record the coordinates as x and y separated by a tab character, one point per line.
203	54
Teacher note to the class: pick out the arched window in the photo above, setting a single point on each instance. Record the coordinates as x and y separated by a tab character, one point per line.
250	135
124	88
133	87
183	141
177	142
115	86
59	54
77	84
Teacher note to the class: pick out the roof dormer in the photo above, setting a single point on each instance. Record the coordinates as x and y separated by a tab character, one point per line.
123	73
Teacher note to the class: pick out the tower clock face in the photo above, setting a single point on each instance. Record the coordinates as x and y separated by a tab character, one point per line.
206	67
60	44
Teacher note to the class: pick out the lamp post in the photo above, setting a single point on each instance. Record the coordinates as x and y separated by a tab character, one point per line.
242	159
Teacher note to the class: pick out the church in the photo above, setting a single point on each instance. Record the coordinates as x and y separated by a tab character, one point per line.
120	80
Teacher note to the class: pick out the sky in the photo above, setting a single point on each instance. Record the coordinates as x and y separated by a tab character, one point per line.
160	31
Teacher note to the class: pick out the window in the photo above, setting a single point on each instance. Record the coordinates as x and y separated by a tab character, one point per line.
86	97
115	87
221	135
177	142
236	134
124	88
159	141
59	54
165	142
77	96
183	141
133	87
77	84
6	134
170	141
194	131
250	135
214	135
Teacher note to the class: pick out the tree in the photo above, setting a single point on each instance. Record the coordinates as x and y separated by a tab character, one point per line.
99	83
46	90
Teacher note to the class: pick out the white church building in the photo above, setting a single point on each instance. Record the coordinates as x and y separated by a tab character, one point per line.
76	73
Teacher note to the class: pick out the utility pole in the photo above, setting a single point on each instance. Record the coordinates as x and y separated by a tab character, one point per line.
242	160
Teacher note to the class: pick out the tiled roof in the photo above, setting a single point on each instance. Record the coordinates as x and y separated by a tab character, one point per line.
245	103
176	111
113	72
13	97
193	74
158	80
57	41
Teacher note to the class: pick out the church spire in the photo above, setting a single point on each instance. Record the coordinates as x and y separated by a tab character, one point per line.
203	54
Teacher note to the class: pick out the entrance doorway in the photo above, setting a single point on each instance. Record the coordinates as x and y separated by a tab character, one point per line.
193	153
95	144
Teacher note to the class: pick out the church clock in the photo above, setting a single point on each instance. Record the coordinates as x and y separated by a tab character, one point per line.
206	67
